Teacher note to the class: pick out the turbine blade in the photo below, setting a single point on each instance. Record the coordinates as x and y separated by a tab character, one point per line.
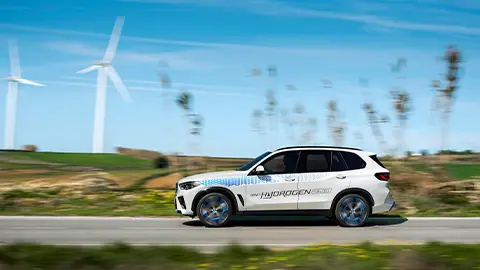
24	81
86	70
117	82
114	38
14	59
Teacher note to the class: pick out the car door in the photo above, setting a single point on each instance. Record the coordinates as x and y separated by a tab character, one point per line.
276	188
322	177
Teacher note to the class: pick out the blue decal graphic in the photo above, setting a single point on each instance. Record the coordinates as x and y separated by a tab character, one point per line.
262	179
245	180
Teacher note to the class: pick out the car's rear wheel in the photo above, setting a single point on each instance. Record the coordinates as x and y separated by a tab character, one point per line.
352	210
214	210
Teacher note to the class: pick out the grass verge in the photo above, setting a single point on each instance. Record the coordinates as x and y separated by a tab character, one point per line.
436	256
159	202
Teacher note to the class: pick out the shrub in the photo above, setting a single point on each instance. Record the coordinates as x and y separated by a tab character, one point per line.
454	199
161	162
30	147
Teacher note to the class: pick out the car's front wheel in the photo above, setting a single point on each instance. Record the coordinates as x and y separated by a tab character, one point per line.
352	210
214	210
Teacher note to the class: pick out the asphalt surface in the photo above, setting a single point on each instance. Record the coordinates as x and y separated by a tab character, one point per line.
275	233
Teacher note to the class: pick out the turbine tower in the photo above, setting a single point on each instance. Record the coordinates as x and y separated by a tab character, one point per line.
105	69
13	79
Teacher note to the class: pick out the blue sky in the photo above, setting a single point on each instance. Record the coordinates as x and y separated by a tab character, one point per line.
211	46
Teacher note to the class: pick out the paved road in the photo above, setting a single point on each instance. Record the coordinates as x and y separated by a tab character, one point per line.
273	233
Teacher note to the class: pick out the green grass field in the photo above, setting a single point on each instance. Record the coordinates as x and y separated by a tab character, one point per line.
18	160
77	159
463	171
431	256
455	170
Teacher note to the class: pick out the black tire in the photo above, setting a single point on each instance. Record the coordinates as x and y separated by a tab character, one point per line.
225	216
341	211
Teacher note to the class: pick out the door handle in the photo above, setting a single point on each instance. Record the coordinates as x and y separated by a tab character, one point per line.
289	179
341	176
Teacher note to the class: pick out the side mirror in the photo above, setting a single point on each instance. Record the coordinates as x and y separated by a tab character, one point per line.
260	169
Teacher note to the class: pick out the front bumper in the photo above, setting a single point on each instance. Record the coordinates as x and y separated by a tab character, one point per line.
180	206
183	201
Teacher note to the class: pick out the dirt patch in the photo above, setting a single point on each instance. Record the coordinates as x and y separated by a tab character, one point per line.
77	182
127	178
24	171
168	181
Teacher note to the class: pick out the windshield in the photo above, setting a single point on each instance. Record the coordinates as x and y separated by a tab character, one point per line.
248	165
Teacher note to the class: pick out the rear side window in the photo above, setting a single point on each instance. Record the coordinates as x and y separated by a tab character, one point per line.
337	163
374	157
354	162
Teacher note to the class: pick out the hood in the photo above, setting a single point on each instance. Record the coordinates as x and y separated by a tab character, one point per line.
210	175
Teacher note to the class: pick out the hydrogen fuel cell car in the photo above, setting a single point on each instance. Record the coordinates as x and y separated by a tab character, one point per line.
343	184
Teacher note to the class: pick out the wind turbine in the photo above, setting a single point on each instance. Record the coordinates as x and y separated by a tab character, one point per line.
105	69
13	79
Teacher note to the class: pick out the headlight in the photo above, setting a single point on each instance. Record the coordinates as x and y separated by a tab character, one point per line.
189	185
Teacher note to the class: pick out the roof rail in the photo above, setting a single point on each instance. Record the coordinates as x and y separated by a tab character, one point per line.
318	146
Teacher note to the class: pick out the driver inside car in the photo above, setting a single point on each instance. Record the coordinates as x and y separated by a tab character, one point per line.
290	162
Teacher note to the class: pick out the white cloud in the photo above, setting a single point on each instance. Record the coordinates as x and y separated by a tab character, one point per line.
272	7
151	89
73	48
179	84
176	60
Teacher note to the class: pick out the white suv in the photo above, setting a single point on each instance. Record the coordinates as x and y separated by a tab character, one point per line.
346	184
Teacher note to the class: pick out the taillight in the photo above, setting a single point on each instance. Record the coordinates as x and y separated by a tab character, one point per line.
383	176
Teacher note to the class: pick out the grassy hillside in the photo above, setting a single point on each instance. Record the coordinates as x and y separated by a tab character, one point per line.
23	160
73	159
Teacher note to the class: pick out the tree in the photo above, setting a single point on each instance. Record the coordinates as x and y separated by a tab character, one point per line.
270	109
446	94
271	100
401	102
373	117
258	124
287	115
166	83
311	130
197	123
402	105
374	121
336	126
184	101
298	112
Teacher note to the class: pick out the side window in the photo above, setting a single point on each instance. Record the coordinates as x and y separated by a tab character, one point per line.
282	163
354	162
315	161
337	163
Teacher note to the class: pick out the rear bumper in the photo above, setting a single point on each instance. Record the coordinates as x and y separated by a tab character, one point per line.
386	206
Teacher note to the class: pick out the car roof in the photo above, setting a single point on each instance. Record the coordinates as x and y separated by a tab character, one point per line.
318	147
